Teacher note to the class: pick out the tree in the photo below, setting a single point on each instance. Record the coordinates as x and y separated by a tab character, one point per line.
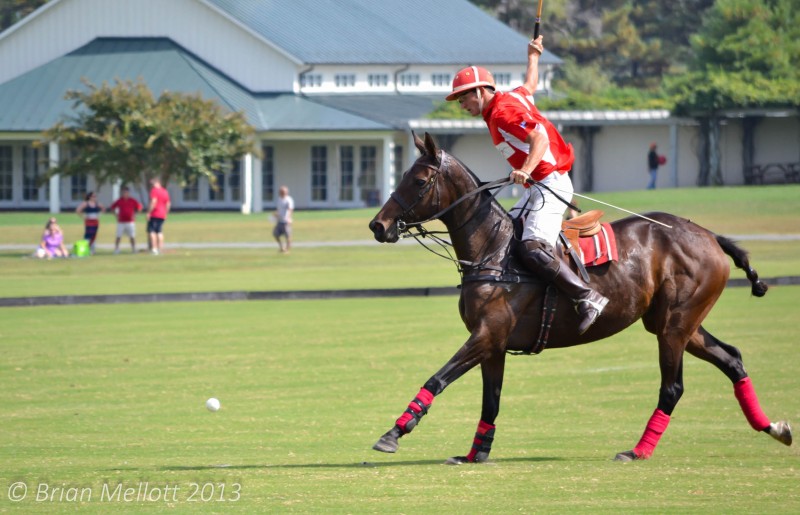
122	133
12	11
745	56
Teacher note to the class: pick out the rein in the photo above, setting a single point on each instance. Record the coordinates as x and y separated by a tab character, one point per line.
404	228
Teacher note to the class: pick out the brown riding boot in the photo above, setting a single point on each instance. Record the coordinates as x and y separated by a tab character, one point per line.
539	257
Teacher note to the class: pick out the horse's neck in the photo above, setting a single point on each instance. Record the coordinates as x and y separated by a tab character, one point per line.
480	229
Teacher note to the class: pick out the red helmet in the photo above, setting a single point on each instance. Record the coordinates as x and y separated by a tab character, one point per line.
469	78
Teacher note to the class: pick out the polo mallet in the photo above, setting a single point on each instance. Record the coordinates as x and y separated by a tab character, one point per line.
538	19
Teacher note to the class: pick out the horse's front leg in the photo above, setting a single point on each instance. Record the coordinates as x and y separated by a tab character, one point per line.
476	350
492	372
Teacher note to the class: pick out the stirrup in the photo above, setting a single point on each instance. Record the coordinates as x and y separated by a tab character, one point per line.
597	306
590	316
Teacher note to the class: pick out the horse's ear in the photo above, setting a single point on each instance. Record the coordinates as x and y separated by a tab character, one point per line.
430	146
418	143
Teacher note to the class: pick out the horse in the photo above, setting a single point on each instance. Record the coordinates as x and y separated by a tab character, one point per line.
669	273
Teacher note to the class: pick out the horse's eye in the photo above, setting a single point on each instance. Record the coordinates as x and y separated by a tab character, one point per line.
420	182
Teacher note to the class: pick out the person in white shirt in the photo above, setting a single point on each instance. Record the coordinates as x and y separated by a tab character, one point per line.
283	219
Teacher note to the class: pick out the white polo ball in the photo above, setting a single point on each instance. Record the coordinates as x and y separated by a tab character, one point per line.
213	404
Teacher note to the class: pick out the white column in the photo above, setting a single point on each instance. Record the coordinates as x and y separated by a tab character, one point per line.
673	153
55	181
388	169
258	187
247	205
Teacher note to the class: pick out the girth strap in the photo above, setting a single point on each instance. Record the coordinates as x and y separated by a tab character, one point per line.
548	315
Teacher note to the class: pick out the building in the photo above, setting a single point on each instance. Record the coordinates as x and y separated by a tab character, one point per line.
328	85
334	89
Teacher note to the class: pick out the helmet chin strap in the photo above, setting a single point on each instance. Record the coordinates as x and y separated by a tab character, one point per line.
479	92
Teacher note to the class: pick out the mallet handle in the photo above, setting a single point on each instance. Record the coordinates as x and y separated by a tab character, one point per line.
537	20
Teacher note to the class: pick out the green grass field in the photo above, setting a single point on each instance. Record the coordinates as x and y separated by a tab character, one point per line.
99	399
114	395
730	211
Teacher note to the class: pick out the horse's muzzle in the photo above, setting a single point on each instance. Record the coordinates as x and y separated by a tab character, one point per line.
383	233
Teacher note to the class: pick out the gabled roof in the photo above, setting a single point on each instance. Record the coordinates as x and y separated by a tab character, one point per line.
35	101
382	31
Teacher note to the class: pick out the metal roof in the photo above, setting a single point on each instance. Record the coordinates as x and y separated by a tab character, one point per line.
381	31
35	101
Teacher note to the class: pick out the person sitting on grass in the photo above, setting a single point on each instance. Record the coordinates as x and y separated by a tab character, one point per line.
52	244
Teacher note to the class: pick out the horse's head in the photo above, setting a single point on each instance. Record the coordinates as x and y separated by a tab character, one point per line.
416	198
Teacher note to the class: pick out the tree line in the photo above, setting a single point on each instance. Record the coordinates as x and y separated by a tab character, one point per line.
689	56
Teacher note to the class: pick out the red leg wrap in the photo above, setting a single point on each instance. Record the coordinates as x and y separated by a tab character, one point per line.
748	401
652	434
419	406
480	439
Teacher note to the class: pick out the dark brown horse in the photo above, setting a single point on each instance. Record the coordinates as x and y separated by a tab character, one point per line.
668	277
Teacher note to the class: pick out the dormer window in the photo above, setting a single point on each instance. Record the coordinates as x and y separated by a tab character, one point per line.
502	79
377	80
409	79
311	80
345	80
441	79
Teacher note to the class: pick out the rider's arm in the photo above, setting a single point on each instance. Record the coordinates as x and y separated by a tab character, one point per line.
535	49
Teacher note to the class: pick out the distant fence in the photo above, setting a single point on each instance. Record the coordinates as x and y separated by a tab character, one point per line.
72	300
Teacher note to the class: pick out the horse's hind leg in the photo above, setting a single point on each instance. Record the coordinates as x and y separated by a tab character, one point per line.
670	356
728	359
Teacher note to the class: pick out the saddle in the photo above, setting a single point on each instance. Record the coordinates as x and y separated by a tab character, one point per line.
582	226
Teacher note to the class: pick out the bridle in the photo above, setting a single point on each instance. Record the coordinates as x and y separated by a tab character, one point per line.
408	209
404	228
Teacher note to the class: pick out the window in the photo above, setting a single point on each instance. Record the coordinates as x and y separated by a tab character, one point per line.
31	163
347	166
367	178
311	80
267	173
441	79
502	79
6	173
191	192
398	164
345	80
319	173
78	187
217	195
78	184
377	80
409	79
235	180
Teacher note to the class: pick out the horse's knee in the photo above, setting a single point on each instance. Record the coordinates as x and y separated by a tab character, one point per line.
669	396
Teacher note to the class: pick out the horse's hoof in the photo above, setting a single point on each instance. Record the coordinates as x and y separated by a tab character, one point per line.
781	431
626	456
457	460
388	442
386	445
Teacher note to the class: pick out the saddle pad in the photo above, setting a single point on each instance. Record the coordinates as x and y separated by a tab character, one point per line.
600	248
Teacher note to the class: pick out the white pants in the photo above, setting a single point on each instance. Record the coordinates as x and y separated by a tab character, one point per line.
542	211
124	228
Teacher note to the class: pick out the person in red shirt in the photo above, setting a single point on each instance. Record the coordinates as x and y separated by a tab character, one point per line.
156	214
540	160
126	208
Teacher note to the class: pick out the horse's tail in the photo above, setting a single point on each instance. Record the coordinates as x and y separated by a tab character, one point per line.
741	260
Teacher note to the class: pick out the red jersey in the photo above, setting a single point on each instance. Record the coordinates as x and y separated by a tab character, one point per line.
161	195
511	116
126	209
